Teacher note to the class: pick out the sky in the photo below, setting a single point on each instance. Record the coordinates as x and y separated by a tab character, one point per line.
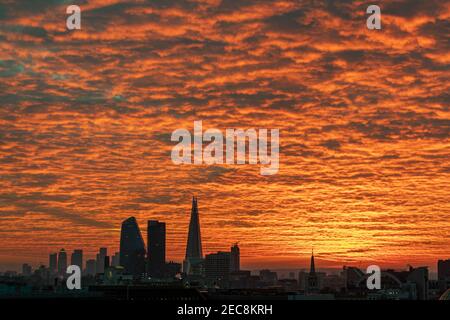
86	118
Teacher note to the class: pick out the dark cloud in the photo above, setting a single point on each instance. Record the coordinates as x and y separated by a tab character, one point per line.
290	22
332	144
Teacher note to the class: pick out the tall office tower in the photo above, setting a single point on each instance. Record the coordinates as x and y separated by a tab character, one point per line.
235	260
53	263
217	269
26	270
77	258
132	248
444	270
90	267
62	262
115	260
100	263
194	254
156	247
106	263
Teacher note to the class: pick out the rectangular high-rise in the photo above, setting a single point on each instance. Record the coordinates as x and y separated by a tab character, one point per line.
217	268
156	247
53	262
444	269
115	259
100	260
90	267
235	263
62	262
77	258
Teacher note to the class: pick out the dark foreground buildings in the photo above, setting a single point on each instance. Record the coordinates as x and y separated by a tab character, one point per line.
156	245
132	248
137	274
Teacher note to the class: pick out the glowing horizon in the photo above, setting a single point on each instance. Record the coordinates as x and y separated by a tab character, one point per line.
86	118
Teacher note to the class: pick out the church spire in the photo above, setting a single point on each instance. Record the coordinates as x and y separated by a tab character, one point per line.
312	268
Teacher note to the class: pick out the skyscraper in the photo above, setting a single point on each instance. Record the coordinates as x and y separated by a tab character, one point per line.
194	254
115	259
235	258
53	262
90	267
132	248
77	258
62	262
217	269
156	247
100	260
444	270
194	243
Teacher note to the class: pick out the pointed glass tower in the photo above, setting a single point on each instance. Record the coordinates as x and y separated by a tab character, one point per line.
194	255
194	242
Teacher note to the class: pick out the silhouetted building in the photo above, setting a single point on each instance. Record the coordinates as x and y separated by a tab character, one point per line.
62	262
115	260
100	260
400	285
53	263
419	276
269	278
77	258
106	263
235	264
288	284
313	282
132	248
443	270
332	282
156	247
240	279
115	276
194	256
171	269
90	267
26	270
352	277
217	268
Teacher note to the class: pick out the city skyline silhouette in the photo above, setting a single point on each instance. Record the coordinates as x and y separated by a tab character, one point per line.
87	117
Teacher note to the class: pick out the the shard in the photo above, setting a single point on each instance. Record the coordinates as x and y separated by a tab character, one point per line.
194	242
194	254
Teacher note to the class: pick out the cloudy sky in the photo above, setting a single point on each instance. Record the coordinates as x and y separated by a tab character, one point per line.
86	118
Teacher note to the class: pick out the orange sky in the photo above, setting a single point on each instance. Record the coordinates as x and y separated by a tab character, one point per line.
86	118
